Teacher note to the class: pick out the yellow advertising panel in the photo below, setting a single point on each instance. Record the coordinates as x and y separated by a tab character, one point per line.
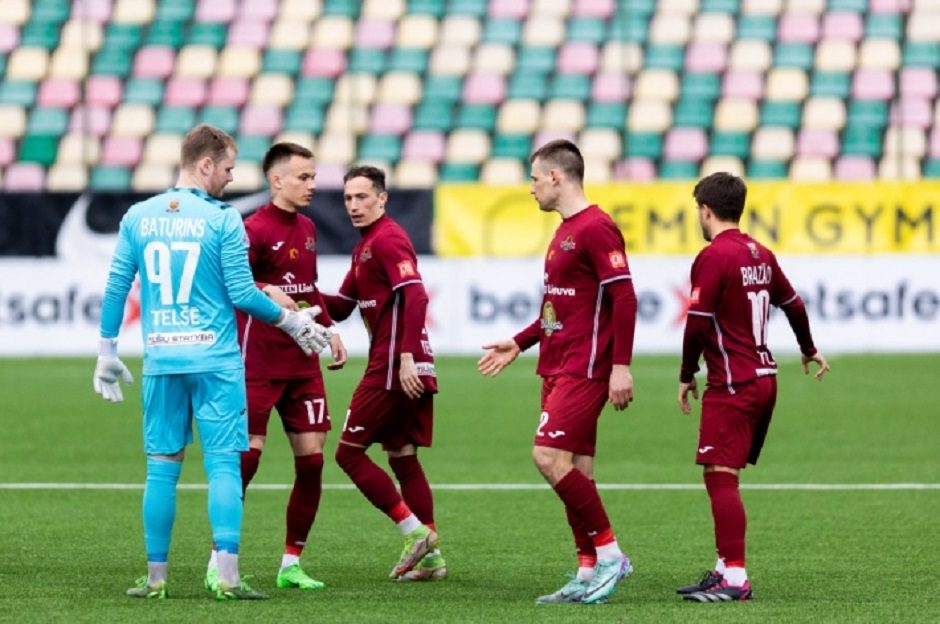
661	218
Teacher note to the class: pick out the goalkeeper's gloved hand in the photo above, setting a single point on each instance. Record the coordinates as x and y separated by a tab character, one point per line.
108	371
307	333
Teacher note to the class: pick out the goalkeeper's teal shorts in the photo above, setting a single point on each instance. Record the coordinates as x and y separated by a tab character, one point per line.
215	399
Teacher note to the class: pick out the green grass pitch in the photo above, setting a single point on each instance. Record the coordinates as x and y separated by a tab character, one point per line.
846	555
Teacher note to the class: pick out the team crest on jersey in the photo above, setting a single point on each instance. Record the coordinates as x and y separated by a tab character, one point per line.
310	244
568	244
550	322
366	254
753	248
693	298
406	268
617	260
293	253
174	206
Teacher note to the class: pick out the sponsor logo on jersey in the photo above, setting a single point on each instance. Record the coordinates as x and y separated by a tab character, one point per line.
293	253
276	246
181	339
310	244
551	289
551	254
705	449
555	434
366	254
425	369
367	303
288	277
693	299
355	429
550	322
406	268
174	206
753	247
568	244
617	260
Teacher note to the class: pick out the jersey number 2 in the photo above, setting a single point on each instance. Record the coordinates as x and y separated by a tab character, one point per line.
157	263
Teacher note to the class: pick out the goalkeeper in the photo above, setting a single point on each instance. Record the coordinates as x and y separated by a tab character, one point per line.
189	250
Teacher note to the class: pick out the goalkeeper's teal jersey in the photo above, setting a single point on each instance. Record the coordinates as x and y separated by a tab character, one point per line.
190	251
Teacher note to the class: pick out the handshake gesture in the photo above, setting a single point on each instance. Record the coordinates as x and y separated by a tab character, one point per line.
307	333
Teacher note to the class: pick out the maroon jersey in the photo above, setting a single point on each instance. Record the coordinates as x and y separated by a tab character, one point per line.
735	280
384	264
282	251
576	334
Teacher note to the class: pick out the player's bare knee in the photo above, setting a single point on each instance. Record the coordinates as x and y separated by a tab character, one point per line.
552	463
256	442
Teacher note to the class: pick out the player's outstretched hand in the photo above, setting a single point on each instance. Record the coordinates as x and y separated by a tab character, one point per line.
309	335
684	390
498	356
820	359
338	351
108	371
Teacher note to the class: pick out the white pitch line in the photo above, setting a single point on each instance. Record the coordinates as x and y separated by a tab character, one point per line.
479	487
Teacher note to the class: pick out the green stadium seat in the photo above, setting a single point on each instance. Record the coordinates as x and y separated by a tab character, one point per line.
110	178
427	7
366	60
223	117
281	61
664	57
113	62
48	121
720	6
642	7
3	64
884	25
678	170
512	146
458	172
383	147
311	90
535	59
767	169
434	114
932	168
606	115
628	27
793	55
476	8
144	91
780	113
443	87
122	36
253	148
20	92
528	85
175	119
41	34
830	84
571	87
868	113
498	30
589	29
51	10
39	148
921	54
700	86
693	112
854	6
761	27
730	144
167	33
412	60
858	140
207	33
348	8
175	10
643	144
305	118
477	116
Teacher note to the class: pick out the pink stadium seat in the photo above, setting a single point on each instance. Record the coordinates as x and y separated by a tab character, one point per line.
685	144
933	145
154	62
706	57
248	33
798	27
375	33
509	8
817	142
253	10
92	120
873	84
260	120
424	145
101	90
216	10
610	87
59	92
24	177
918	82
636	169
842	26
390	118
330	175
743	84
577	57
121	150
889	6
228	91
855	168
594	8
323	62
484	89
94	10
7	151
914	112
9	37
185	92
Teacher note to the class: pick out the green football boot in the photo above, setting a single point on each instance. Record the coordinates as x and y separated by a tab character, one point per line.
212	579
417	544
142	589
242	592
294	576
432	567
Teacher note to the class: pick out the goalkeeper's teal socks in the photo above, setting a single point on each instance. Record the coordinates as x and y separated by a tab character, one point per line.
159	507
225	499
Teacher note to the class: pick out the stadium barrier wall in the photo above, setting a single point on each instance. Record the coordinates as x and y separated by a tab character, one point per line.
51	306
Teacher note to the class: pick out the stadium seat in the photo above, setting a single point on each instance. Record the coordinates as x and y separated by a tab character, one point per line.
830	84
121	150
564	115
810	169
154	62
133	11
685	144
717	27
415	174
610	87
323	62
223	117
772	143
543	30
894	167
621	57
196	61
14	120
747	54
150	177
570	87
424	146
27	63
458	173
643	145
38	148
287	34
460	30
493	58
66	177
244	33
413	60
518	117
766	169
600	144
787	84
7	151
272	89
692	112
47	121
389	119
20	92
497	171
743	84
24	176
735	114
261	120
835	56
578	58
879	54
635	169
105	178
334	32
798	55
74	148
818	142
92	120
417	31
336	147
854	168
656	84
239	61
467	147
649	116
69	62
450	61
147	91
905	141
355	88
484	89
842	25
347	117
706	57
728	164
826	113
383	9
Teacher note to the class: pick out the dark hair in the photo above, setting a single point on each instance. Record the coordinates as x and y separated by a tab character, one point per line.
562	154
367	171
723	193
205	140
283	151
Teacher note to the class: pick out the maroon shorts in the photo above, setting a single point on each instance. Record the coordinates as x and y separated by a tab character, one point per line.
389	417
734	426
571	406
301	404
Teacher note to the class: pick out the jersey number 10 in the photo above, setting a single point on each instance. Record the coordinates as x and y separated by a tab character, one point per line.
760	315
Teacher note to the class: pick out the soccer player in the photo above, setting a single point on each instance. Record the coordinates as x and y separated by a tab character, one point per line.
189	250
585	337
393	403
735	280
282	253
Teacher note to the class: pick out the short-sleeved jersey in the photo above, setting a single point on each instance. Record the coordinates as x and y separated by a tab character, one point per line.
190	251
586	254
735	280
282	251
383	263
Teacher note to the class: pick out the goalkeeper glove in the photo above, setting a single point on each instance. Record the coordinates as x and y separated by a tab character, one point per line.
108	370
307	333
